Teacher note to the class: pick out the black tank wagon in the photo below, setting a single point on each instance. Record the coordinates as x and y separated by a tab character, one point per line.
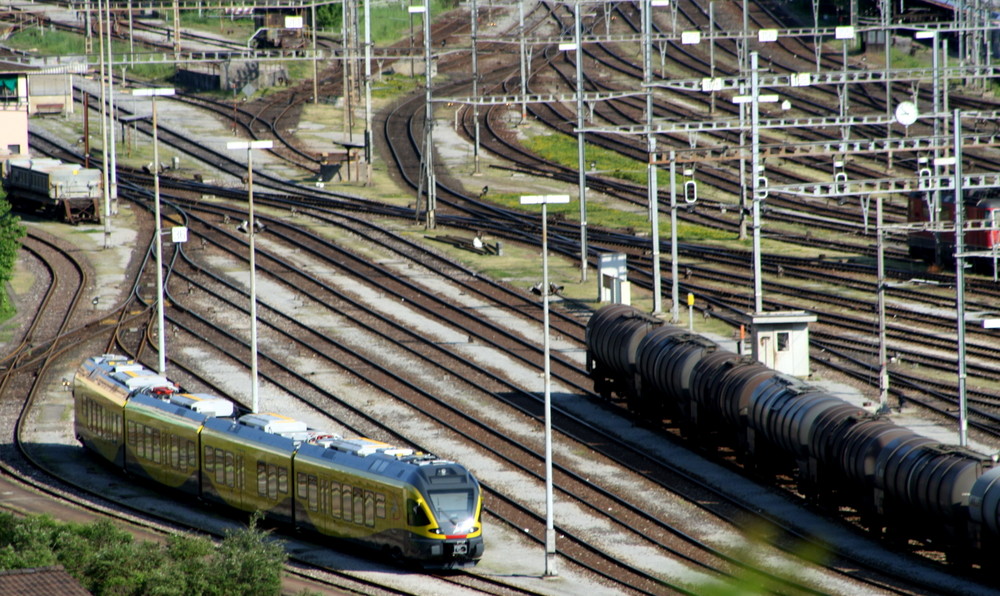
840	453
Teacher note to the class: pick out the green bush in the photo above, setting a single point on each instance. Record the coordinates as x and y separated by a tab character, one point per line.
103	558
11	233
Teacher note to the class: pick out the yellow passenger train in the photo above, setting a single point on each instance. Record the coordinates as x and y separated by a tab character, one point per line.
412	506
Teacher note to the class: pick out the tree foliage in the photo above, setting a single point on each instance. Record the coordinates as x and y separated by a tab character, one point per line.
11	232
107	560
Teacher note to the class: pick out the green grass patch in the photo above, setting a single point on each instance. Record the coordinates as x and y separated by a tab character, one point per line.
607	215
61	43
48	43
394	85
154	72
215	21
300	70
7	309
392	22
563	150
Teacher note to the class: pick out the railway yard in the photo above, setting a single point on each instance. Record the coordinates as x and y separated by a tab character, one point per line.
370	324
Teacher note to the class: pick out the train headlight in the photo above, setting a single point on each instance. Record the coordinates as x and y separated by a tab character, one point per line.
466	527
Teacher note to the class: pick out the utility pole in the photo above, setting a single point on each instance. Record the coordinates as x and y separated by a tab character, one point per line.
580	145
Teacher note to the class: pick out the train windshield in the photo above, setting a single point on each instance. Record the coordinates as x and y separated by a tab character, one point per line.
454	509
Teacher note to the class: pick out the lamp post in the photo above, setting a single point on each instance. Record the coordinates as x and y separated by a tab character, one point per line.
581	146
161	342
249	146
104	129
758	179
576	46
113	190
963	420
935	105
550	532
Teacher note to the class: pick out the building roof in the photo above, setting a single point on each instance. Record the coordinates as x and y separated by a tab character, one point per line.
39	581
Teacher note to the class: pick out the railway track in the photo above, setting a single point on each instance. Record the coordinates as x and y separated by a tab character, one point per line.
388	384
527	225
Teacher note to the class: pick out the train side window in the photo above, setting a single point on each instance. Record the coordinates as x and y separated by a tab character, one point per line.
130	434
313	494
241	479
261	478
209	460
283	480
334	499
303	482
192	456
220	466
272	481
347	499
177	453
369	509
157	447
380	506
783	341
359	506
415	514
230	469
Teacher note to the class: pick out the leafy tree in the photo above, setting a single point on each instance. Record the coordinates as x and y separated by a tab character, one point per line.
250	562
11	232
108	560
329	16
27	542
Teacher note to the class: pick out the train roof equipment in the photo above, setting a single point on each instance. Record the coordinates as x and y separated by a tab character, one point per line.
142	378
277	424
150	401
204	403
362	446
359	453
381	458
131	375
239	431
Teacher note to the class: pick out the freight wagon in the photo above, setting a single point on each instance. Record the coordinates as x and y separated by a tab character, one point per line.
53	188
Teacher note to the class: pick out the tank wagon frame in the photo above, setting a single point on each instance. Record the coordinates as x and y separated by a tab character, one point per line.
780	425
411	506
